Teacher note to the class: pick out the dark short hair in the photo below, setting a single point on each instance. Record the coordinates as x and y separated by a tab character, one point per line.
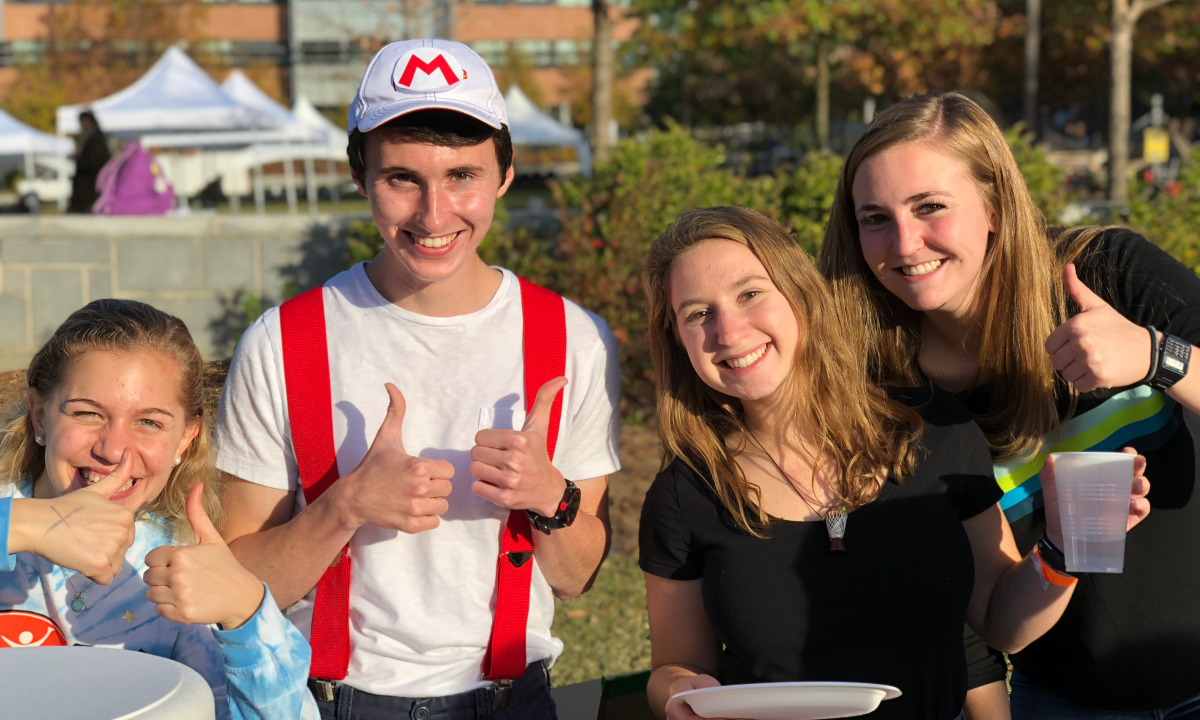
445	128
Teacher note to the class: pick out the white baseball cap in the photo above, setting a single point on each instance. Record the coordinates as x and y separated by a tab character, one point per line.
426	74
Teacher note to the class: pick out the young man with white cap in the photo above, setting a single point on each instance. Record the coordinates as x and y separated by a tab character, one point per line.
420	534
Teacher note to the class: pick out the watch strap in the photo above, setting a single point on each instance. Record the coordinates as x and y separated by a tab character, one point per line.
1153	355
563	517
1051	565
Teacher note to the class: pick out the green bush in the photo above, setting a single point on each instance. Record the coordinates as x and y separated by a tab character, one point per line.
1170	217
1044	180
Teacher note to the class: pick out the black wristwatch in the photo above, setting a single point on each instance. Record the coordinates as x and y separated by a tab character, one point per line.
1052	556
1170	359
568	508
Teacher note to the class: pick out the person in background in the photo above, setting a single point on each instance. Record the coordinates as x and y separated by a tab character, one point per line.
106	487
807	526
1073	339
93	154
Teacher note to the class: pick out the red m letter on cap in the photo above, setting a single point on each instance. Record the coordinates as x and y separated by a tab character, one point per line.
438	63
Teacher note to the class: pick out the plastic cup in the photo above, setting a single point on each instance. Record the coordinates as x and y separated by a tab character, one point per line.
1093	502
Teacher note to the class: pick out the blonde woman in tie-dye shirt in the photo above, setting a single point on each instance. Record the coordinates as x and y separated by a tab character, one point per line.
106	495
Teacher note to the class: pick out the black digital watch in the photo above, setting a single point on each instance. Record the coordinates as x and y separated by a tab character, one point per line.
1170	361
568	508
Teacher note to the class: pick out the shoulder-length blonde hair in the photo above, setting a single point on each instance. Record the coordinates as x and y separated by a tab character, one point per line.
124	326
1022	293
833	404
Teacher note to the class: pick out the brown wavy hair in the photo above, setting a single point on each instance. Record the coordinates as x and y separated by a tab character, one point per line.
124	326
1022	293
834	405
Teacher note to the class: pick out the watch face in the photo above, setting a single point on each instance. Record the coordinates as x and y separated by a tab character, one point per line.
572	503
1173	364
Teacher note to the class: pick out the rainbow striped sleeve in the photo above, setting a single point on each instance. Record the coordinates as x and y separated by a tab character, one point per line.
1138	413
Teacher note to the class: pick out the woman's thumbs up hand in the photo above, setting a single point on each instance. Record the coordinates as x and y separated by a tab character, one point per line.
202	583
1098	347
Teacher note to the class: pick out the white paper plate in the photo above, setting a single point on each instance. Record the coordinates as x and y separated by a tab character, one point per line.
787	701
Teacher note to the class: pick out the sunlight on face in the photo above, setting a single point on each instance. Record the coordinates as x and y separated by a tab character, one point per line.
739	330
923	226
107	402
432	204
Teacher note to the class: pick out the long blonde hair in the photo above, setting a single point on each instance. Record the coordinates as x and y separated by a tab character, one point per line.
844	415
125	326
1022	294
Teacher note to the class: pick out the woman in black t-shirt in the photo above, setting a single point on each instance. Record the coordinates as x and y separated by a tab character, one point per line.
770	426
935	249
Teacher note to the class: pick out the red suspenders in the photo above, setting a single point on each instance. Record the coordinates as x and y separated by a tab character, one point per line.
310	414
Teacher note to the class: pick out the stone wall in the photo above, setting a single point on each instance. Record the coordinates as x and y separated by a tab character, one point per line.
200	268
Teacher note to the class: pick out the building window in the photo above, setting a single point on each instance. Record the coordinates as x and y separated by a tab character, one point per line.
241	54
492	51
22	52
539	52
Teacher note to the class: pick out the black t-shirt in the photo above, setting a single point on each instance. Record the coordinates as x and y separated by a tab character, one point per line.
1131	641
890	609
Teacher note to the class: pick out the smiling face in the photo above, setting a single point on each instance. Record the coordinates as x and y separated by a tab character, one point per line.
738	329
107	402
432	204
923	226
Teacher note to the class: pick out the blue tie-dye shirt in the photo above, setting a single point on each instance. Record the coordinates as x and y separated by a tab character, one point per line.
258	671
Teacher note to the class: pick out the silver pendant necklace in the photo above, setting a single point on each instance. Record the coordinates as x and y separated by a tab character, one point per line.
79	602
835	517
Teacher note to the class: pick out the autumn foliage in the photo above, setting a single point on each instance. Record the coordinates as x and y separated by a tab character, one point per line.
94	48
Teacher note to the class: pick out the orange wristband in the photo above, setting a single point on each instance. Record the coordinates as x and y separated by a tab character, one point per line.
1048	575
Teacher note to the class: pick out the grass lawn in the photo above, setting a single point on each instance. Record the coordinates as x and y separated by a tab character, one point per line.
604	631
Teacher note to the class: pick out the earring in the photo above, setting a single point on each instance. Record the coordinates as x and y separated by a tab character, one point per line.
178	460
38	439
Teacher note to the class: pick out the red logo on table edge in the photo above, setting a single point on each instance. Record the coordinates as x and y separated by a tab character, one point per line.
438	63
20	628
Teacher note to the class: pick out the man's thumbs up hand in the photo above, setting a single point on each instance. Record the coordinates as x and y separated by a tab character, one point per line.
512	466
1098	347
538	419
392	489
202	583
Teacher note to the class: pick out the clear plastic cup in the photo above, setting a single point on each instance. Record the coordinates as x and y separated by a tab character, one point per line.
1093	502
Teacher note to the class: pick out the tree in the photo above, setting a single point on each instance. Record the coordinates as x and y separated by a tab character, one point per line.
603	62
95	47
723	61
1033	43
1125	14
1074	76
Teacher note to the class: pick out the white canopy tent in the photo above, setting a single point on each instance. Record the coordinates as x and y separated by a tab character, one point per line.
533	128
175	95
242	89
18	139
238	157
308	136
20	143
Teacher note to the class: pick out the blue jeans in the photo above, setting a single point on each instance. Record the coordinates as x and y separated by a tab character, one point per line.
1034	702
530	700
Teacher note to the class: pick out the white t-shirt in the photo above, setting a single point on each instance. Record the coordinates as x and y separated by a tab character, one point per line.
421	605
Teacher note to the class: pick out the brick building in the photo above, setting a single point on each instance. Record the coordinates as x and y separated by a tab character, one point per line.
319	48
